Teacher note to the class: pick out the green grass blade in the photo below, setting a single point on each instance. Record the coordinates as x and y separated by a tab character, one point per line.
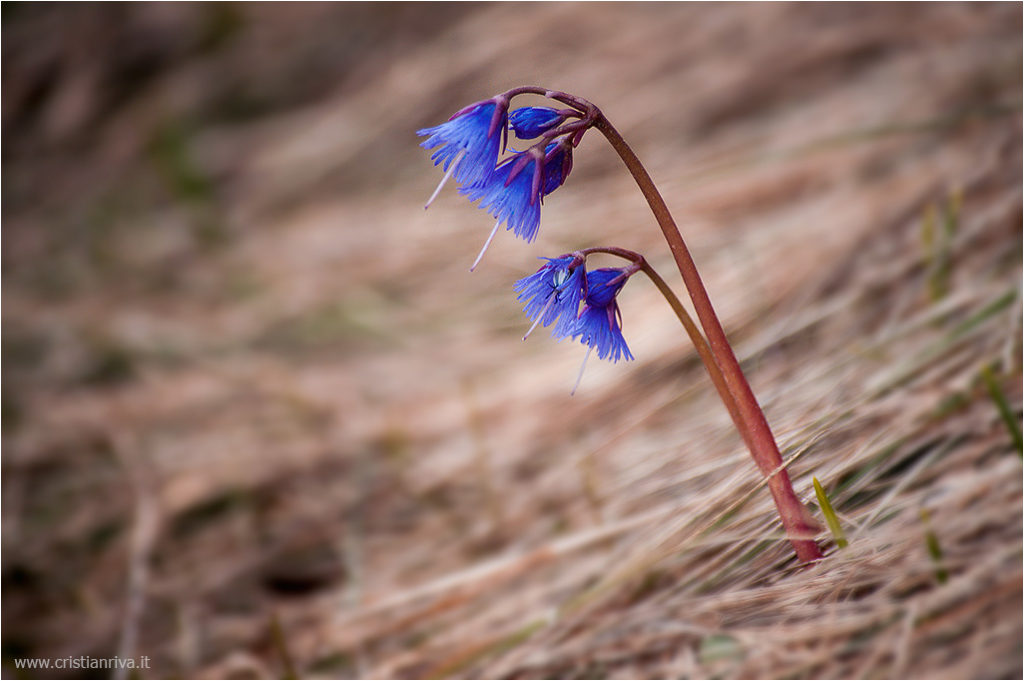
934	549
830	515
992	384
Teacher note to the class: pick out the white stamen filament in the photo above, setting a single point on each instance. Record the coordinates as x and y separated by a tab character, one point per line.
582	367
451	169
486	244
551	299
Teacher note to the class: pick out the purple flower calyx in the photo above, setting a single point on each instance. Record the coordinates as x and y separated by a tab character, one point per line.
521	160
499	120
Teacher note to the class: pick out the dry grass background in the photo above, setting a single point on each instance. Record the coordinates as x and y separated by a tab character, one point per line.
253	403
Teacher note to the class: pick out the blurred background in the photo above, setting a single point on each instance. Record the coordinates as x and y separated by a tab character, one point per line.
259	420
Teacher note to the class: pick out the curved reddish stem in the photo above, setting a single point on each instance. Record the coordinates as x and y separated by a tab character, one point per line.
799	525
716	353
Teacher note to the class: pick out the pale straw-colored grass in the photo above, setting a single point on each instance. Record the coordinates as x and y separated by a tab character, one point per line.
323	437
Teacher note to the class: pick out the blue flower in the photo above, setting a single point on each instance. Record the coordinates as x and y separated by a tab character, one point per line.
530	121
469	143
514	191
553	294
600	322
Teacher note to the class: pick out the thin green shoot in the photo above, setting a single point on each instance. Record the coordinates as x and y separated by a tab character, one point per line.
1003	406
937	244
934	549
830	515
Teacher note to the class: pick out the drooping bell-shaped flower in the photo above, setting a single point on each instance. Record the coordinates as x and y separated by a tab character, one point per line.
515	190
